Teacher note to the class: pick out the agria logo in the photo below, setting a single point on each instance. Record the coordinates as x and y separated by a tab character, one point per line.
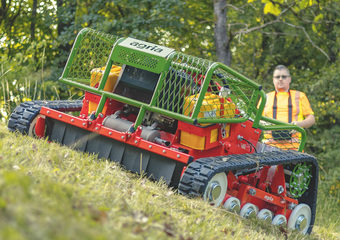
269	198
154	48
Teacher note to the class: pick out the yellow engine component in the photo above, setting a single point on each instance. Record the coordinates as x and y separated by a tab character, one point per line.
96	76
97	73
199	142
213	106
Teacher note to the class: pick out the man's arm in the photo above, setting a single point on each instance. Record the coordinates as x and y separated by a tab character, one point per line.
307	122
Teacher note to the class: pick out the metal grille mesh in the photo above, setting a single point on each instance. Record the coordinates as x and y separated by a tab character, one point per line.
91	57
140	59
283	139
226	95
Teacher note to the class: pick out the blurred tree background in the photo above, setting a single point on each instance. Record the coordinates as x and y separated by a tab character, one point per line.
251	36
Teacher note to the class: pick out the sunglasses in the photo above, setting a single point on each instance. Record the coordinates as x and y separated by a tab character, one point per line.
283	77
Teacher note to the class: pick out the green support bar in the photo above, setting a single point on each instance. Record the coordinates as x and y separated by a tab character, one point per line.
140	117
181	78
105	75
101	105
258	113
285	126
73	52
80	86
203	90
242	77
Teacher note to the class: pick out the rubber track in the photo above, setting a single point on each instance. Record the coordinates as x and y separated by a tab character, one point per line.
23	115
199	173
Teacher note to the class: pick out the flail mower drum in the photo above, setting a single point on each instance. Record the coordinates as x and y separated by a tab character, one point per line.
192	122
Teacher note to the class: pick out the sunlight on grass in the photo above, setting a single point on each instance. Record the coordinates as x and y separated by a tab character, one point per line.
52	192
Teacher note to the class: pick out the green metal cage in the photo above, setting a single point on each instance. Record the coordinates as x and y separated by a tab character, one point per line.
190	89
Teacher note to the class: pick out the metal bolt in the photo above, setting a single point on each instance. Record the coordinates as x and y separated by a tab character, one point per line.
267	218
59	116
215	191
252	192
84	124
178	156
150	146
281	222
48	112
96	128
136	141
301	223
280	189
234	207
122	137
164	151
250	213
72	120
292	206
110	133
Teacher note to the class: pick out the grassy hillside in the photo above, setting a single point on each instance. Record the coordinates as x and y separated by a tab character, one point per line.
52	192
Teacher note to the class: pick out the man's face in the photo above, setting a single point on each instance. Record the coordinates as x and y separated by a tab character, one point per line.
281	80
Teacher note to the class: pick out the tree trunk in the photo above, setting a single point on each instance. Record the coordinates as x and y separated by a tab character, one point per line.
61	24
221	34
3	10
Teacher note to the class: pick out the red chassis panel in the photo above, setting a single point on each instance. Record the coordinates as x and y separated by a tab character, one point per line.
128	138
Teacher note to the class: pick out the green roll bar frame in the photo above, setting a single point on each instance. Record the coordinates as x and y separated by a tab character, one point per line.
163	65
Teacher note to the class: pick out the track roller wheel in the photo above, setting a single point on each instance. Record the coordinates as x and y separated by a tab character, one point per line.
265	215
233	205
280	220
216	189
249	210
31	129
300	218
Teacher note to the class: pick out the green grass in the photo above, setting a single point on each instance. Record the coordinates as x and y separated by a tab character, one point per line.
52	192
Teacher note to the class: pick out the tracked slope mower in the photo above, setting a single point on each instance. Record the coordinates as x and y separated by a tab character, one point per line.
192	122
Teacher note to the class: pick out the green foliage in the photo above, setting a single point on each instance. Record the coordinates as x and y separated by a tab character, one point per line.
325	99
32	62
257	53
15	23
329	199
20	82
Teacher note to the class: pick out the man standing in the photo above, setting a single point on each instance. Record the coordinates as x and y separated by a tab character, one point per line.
288	105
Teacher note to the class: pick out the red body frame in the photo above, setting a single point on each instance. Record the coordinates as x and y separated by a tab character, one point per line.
259	188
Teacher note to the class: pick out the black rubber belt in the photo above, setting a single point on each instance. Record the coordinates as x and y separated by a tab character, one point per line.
200	171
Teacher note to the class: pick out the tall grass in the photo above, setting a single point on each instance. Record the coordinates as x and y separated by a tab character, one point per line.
52	192
30	86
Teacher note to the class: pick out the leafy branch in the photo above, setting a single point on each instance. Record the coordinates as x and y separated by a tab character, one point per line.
247	30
